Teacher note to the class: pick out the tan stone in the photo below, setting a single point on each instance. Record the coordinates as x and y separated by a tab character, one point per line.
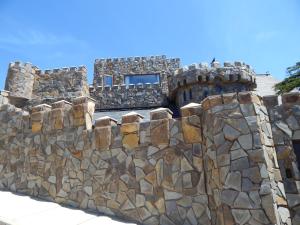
130	141
159	130
103	137
57	118
129	128
36	127
191	134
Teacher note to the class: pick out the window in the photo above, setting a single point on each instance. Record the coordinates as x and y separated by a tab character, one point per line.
184	96
191	94
108	81
141	79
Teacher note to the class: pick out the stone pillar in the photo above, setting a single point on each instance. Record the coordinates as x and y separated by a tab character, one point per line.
83	111
191	125
103	132
243	181
37	117
159	127
57	114
130	130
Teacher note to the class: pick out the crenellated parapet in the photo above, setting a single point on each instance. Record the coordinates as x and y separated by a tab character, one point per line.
62	115
26	81
64	83
198	81
118	68
129	96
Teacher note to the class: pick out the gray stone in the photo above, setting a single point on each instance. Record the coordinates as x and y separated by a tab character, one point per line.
233	180
230	133
242	201
146	187
241	216
239	164
284	127
228	196
171	195
245	141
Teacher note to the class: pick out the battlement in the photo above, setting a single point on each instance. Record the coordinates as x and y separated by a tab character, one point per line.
61	70
124	87
137	59
287	100
201	80
202	72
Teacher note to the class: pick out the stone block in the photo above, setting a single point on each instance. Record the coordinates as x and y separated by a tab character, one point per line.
105	121
103	137
191	132
57	118
191	109
159	130
161	113
131	117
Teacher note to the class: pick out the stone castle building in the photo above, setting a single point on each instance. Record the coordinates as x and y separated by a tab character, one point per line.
211	151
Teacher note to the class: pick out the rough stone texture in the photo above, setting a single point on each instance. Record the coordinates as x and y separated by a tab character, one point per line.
285	125
127	96
161	177
26	81
198	81
233	169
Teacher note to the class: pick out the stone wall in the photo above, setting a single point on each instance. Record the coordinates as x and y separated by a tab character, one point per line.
118	67
128	97
64	83
28	82
285	122
196	82
215	165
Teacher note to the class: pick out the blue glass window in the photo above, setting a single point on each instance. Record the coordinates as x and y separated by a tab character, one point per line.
141	79
108	81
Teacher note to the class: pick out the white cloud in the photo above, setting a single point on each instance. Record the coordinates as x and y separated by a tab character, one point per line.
34	37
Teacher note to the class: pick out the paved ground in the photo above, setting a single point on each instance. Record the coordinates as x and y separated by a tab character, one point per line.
23	210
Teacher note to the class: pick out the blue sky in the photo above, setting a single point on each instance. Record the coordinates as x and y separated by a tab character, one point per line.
57	33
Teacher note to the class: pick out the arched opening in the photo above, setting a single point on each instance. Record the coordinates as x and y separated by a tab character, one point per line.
184	82
178	84
191	93
231	77
199	78
207	78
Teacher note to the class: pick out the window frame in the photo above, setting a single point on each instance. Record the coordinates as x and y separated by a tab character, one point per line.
142	75
104	80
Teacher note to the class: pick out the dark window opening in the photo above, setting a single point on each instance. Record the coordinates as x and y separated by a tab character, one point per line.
296	146
205	93
184	82
141	79
184	96
219	89
199	78
239	77
178	84
231	77
191	94
207	78
108	80
288	173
